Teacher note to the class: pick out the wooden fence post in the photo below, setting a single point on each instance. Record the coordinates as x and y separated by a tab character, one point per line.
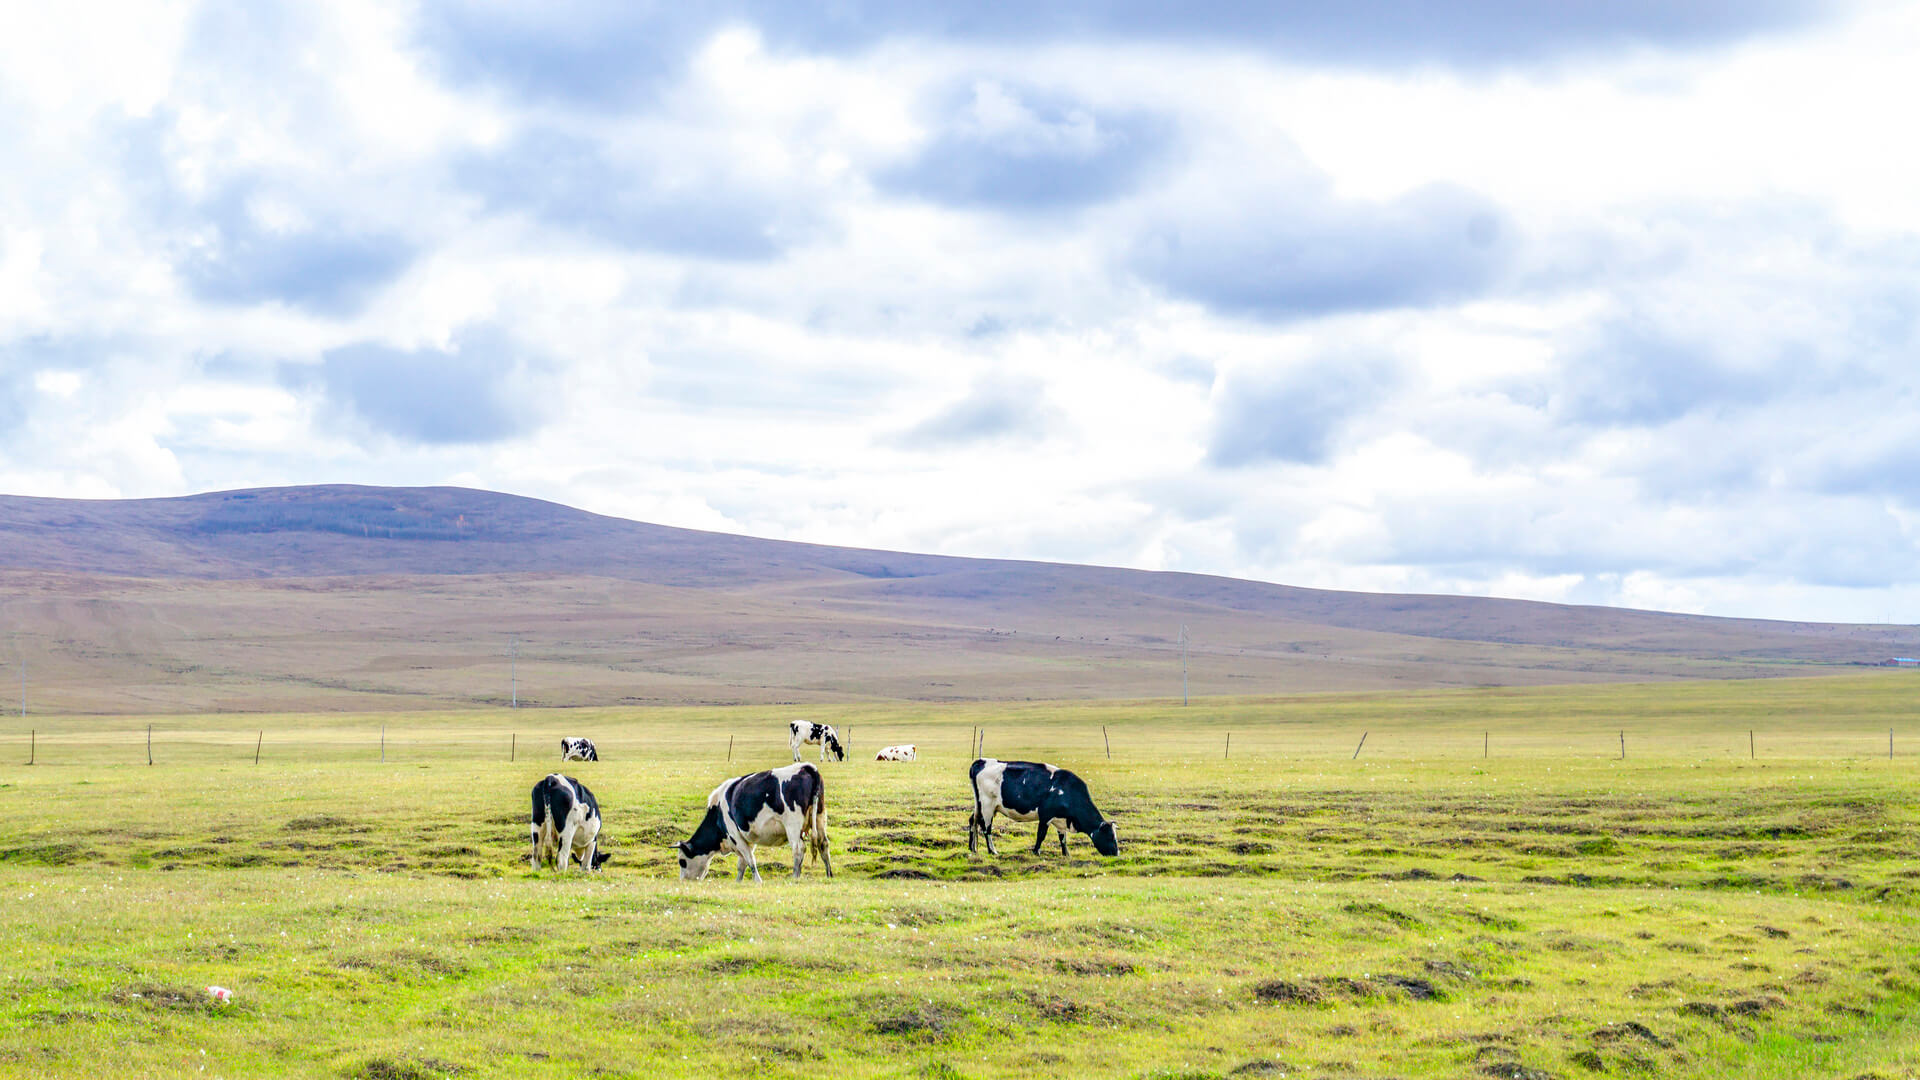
256	746
513	746
1363	742
1623	746
1486	744
33	744
1107	741
729	748
149	744
1229	750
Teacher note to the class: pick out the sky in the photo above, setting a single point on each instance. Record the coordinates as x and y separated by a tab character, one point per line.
1600	301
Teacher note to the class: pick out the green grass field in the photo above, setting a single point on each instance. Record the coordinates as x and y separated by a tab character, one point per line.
1488	890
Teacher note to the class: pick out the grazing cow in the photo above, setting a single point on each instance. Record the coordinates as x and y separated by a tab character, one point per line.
788	803
801	732
895	753
578	750
1026	790
565	811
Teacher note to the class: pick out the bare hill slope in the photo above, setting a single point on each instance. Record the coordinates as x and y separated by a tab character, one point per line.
363	597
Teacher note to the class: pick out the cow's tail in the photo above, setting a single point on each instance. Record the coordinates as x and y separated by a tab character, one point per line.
818	827
978	822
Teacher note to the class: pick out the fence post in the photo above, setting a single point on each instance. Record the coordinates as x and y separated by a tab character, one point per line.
729	748
33	744
1751	752
1107	741
1363	742
1229	750
256	746
513	746
1623	746
1486	744
149	744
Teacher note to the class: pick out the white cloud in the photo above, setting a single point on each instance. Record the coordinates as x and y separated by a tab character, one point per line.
1632	305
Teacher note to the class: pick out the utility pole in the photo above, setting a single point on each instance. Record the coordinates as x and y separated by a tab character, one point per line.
1183	664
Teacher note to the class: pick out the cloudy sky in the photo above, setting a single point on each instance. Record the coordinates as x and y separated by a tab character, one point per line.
1604	301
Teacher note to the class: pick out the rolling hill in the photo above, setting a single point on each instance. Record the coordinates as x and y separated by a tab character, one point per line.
362	597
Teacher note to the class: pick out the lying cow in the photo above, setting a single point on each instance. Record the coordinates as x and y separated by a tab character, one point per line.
564	811
895	753
788	803
578	750
1029	790
802	732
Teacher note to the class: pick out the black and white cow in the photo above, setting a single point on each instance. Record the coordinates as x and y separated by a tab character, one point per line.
565	812
788	803
578	750
1030	790
802	732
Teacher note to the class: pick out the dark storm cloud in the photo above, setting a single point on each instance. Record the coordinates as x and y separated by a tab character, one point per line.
328	268
1022	150
611	54
582	185
1636	374
1302	254
464	394
1295	415
996	408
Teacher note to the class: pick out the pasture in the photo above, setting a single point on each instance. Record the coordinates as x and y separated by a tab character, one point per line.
1487	890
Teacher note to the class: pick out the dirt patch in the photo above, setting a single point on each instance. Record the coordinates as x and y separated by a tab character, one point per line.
1628	1029
926	1022
1371	910
1415	988
1773	931
160	997
404	1069
61	853
905	873
1282	992
327	821
1588	1060
1083	966
1263	1067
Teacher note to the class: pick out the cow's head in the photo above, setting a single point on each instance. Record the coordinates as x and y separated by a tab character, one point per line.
600	858
1106	839
833	745
694	867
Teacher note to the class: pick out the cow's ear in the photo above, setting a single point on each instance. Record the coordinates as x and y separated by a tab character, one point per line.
684	848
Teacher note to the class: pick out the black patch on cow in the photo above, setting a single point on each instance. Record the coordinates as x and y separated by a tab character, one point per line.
1029	787
746	797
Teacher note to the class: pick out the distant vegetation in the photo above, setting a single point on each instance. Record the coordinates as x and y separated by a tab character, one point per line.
365	516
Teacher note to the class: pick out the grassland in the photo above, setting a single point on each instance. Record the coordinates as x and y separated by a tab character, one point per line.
1487	890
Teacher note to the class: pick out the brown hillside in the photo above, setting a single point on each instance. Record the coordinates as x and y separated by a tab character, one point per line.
358	597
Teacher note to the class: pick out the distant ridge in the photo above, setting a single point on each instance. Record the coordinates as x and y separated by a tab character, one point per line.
749	619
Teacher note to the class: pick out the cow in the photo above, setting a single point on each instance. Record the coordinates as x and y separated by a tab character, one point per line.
578	750
802	732
565	811
788	803
895	753
1029	790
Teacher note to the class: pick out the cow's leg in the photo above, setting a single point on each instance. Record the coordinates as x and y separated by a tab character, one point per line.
798	838
1041	838
986	827
533	859
586	857
1062	830
566	849
973	827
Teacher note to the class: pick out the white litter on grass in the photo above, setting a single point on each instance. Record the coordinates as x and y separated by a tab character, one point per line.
220	994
